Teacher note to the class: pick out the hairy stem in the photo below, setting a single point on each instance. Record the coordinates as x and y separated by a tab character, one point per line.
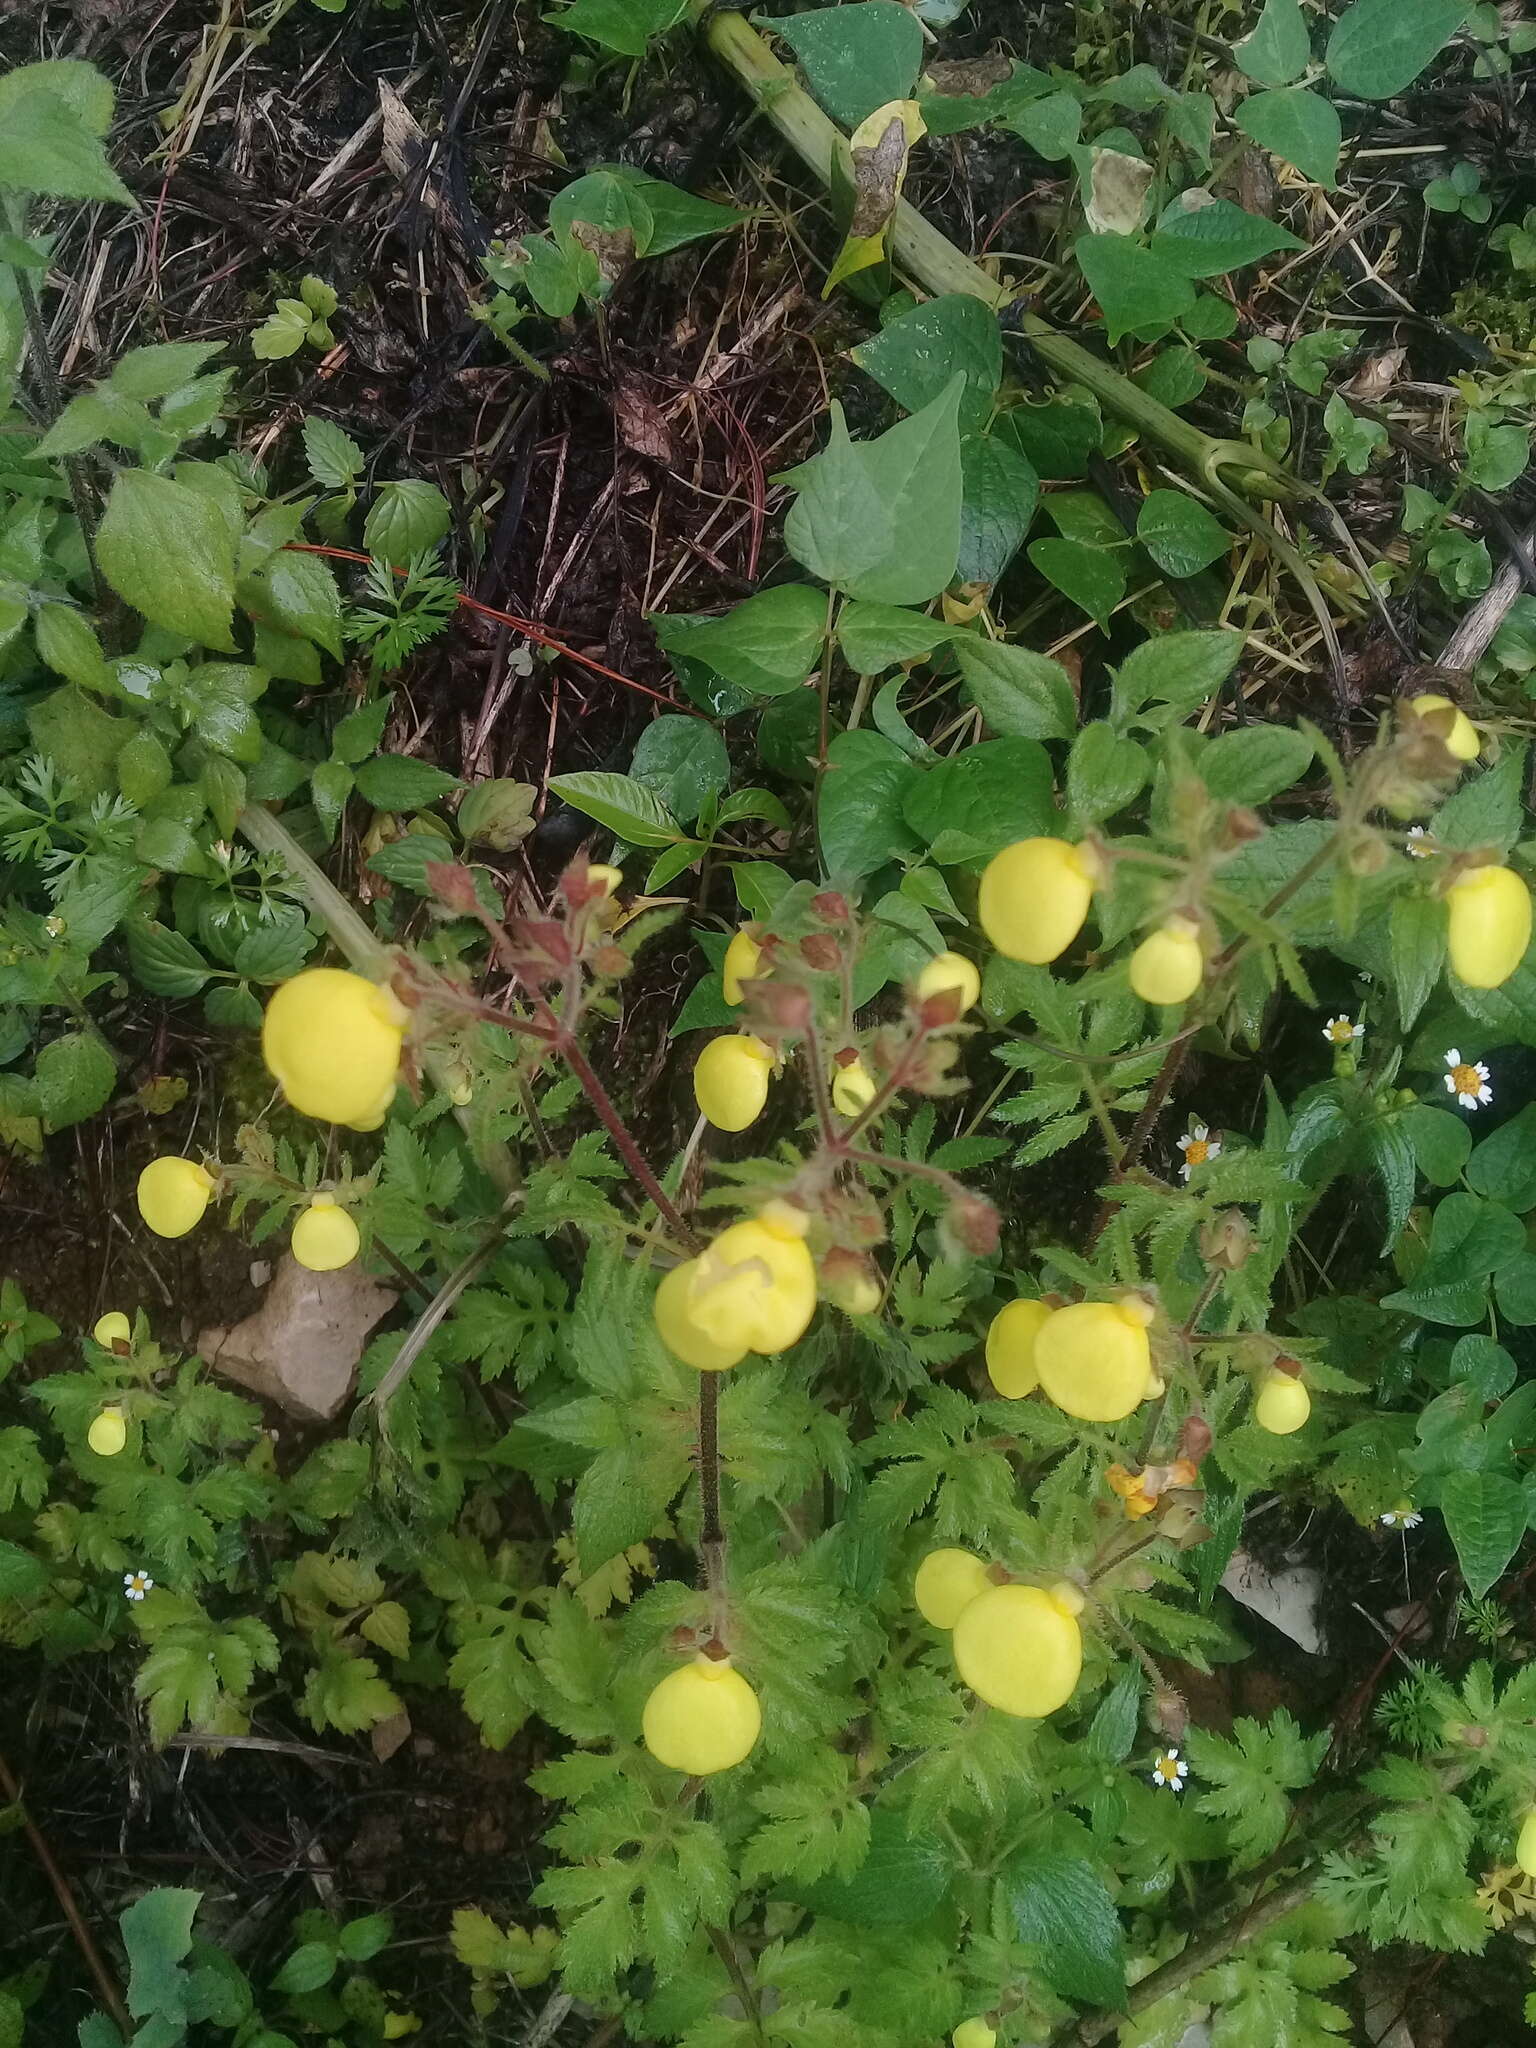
622	1136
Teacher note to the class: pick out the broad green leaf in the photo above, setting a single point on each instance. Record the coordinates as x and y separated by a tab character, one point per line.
1469	1239
1050	124
399	782
1179	534
46	147
1379	46
74	1077
684	760
1485	1517
604	200
768	644
498	812
1279	49
1091	577
860	818
1418	953
1255	762
83	89
334	458
999	492
1063	1910
917	354
677	217
157	1935
625	26
901	1881
164	367
1203	236
855	57
1503	1166
1105	771
296	594
1300	126
1139	292
405	518
67	643
1056	440
312	1964
1514	1288
1177	669
626	807
971	805
881	519
1484	1366
1441	1142
168	550
1017	691
878	636
1391	1154
164	962
81	739
1488	810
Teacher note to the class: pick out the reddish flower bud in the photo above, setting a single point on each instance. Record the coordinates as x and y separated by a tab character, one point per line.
831	906
975	1223
453	886
1195	1439
821	952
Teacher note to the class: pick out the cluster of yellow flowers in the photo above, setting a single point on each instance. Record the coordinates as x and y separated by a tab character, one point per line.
1017	1647
332	1042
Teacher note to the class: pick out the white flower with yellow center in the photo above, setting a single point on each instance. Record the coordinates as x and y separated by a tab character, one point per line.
1467	1080
1403	1516
137	1584
1198	1146
1169	1771
1343	1031
1419	845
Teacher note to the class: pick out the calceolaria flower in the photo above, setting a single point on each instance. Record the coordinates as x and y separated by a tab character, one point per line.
108	1432
112	1328
332	1040
1169	1771
1034	898
136	1585
1467	1080
172	1194
853	1088
753	1289
1488	925
1343	1031
743	963
325	1237
1403	1516
1198	1146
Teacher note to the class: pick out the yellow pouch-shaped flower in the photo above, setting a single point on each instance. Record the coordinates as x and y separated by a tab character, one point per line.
108	1433
1034	898
951	971
1094	1360
753	1289
701	1718
743	962
1020	1648
1489	928
1283	1404
332	1042
853	1088
325	1236
1449	723
730	1081
947	1582
172	1194
1169	964
1011	1347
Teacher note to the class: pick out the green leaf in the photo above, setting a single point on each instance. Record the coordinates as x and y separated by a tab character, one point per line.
1177	669
66	641
1482	1365
1091	577
973	804
334	458
497	812
1017	691
310	1966
684	760
1255	762
1300	126
83	89
677	217
1418	953
902	1879
164	962
1203	236
1063	1910
492	1671
74	1077
1485	1517
860	818
1379	46
1179	534
1057	440
917	354
1488	810
881	519
1392	1155
1469	1239
164	367
768	644
999	492
1050	124
346	1693
283	333
874	637
45	146
81	739
625	26
1440	1140
1503	1167
367	1936
628	809
296	594
400	782
1279	49
169	551
157	1935
406	517
1138	292
1104	772
856	57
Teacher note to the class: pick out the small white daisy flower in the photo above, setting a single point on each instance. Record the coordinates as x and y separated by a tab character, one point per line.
1198	1146
137	1584
1467	1080
1418	845
1169	1771
1404	1516
1343	1031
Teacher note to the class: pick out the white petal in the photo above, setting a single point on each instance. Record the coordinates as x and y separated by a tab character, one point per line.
1213	1150
1203	1131
1450	1082
1480	1070
1452	1057
1184	1171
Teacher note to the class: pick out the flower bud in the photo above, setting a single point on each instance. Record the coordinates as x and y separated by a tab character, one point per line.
974	2033
949	974
172	1194
831	906
850	1282
853	1087
1169	964
821	952
1034	898
1226	1240
1489	925
947	1582
1449	724
730	1080
1195	1439
974	1224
